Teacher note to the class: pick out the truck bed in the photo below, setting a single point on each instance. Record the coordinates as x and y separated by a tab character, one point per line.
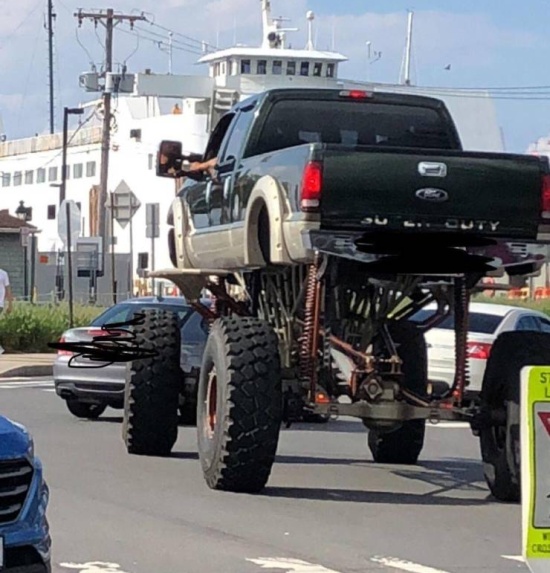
404	190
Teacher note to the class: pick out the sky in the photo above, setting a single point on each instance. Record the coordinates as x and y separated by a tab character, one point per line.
487	43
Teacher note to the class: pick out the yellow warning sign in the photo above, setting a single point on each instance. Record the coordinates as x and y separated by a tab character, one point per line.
535	470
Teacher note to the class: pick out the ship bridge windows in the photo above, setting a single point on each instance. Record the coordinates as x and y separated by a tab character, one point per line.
245	67
52	174
291	68
78	170
90	169
6	179
29	177
317	69
262	67
17	178
330	70
41	175
304	69
277	67
234	67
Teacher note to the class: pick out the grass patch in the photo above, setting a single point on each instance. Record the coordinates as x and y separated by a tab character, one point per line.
29	328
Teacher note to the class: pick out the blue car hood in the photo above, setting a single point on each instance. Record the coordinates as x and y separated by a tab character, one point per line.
14	439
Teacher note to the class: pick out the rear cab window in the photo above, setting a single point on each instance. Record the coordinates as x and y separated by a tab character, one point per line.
292	122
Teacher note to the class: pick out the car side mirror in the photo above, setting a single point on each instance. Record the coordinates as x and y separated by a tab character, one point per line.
169	158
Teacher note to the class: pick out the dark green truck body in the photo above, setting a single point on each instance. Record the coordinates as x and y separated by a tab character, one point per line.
390	164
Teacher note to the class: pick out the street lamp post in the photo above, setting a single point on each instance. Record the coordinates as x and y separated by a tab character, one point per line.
24	214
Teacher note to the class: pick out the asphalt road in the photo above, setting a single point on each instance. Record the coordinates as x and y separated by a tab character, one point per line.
327	508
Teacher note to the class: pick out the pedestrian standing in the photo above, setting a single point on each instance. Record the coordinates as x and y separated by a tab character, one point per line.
5	292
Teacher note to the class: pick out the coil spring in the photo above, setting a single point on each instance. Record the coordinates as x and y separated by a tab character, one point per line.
461	297
307	364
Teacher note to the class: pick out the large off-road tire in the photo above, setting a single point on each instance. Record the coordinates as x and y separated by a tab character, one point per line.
239	410
404	445
152	387
500	392
85	410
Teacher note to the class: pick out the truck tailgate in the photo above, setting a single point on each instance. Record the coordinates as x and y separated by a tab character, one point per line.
434	191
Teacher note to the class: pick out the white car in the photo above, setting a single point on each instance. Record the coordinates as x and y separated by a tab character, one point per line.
486	322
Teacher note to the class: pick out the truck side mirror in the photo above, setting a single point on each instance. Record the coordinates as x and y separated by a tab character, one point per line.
169	158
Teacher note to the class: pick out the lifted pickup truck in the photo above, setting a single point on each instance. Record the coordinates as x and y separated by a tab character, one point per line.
331	218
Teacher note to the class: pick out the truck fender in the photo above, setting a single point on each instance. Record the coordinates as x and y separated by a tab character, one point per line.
266	193
181	232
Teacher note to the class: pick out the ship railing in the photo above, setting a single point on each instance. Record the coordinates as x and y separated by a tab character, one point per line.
49	142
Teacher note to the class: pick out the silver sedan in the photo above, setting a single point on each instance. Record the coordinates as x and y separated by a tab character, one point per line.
89	390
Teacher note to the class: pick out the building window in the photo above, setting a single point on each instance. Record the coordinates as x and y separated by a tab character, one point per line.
17	178
277	67
52	174
245	66
90	169
330	70
6	179
304	69
29	177
51	212
40	175
291	69
78	170
262	67
317	69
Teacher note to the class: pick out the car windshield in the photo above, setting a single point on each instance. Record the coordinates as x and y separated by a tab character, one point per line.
124	312
478	321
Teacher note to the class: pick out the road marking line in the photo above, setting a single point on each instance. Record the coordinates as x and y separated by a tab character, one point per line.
405	565
290	565
20	386
514	558
94	567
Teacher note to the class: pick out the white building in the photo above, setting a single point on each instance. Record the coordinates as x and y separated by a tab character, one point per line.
31	168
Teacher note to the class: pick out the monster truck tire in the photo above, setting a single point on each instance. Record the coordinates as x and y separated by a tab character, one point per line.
152	389
500	391
240	400
404	445
188	413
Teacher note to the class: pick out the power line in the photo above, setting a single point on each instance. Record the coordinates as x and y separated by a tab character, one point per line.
18	27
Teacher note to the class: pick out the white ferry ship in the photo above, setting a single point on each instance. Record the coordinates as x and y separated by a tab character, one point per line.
184	108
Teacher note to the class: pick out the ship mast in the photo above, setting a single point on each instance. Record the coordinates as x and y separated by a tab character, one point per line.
408	52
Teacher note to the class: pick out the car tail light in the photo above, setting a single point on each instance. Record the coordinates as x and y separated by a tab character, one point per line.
312	182
545	196
61	352
479	350
355	94
93	332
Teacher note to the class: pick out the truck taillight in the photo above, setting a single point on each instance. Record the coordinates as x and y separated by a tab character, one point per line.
312	182
355	94
545	196
479	350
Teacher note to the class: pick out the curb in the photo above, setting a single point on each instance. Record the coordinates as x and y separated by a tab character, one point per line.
28	371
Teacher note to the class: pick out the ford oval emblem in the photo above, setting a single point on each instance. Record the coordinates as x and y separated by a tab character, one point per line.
432	194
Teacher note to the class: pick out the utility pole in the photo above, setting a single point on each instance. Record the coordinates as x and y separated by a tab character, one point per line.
109	20
51	17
